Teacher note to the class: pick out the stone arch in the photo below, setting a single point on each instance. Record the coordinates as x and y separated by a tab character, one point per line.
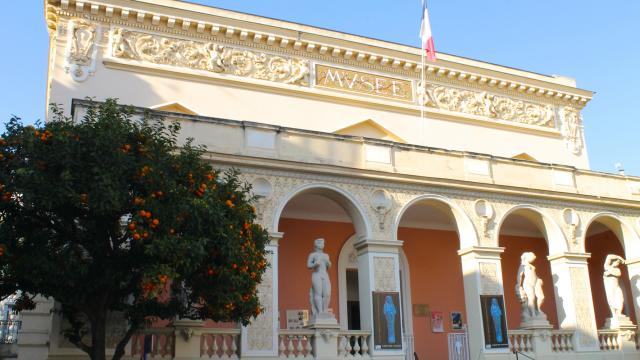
624	232
343	198
464	226
553	234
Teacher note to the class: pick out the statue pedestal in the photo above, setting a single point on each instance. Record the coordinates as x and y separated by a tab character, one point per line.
323	321
539	322
187	338
622	322
325	339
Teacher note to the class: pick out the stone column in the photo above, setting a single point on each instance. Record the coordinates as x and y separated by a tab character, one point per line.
260	338
573	298
187	339
379	271
482	273
35	333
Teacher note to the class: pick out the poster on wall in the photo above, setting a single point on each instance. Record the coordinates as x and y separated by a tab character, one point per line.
297	319
456	320
386	321
437	322
494	322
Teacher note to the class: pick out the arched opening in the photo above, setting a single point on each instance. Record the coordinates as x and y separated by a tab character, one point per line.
434	286
525	230
605	236
310	213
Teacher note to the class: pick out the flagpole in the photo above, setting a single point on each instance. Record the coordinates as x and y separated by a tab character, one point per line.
422	83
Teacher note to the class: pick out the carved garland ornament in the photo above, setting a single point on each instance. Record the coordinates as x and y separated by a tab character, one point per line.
81	49
489	105
571	129
208	56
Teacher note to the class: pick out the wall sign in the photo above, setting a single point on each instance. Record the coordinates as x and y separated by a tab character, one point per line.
363	83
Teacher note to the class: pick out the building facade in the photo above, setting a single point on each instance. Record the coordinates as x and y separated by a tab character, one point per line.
461	218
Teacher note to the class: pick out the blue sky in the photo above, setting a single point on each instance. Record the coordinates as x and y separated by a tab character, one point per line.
595	42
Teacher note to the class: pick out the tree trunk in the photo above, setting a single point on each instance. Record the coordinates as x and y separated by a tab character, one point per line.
98	336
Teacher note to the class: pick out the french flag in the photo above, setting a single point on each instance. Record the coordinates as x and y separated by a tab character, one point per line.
425	34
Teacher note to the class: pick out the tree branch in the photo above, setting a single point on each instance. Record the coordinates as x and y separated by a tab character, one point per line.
120	348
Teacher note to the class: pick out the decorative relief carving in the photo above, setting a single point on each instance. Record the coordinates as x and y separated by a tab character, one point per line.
384	275
584	311
208	56
571	128
260	331
381	204
81	49
489	105
489	281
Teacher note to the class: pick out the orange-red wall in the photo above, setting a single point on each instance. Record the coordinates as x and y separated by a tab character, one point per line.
294	280
436	280
600	246
514	247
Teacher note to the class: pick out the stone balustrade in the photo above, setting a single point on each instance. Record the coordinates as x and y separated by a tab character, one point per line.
220	344
609	340
521	340
562	341
162	343
354	344
296	344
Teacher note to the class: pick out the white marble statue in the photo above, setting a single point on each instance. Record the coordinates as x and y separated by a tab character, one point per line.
615	297
529	289
320	293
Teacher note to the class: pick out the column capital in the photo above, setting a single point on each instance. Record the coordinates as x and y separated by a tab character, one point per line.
373	245
570	258
274	238
481	252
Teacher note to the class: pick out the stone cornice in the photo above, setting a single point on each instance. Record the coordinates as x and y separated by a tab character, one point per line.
226	26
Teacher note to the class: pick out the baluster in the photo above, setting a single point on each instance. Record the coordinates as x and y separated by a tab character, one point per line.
290	348
204	348
309	348
356	346
225	347
214	345
281	347
299	348
349	348
365	345
234	346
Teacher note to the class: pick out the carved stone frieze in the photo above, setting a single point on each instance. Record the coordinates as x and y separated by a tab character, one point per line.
81	49
571	128
208	56
482	103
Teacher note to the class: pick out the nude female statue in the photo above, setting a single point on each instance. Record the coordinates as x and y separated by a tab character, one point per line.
529	287
320	292
612	288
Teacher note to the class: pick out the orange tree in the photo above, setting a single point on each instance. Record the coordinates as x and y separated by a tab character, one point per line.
109	214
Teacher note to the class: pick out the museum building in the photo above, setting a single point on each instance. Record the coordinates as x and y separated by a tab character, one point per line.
460	216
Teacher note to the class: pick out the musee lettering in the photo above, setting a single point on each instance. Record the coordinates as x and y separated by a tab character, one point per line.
358	82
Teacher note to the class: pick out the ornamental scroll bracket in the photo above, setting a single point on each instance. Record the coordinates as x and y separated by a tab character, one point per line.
572	221
209	57
82	50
